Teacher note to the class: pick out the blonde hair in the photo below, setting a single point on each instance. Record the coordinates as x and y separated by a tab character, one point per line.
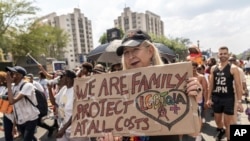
156	58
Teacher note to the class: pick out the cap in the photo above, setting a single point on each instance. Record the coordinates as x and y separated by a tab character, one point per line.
133	38
70	74
17	69
99	68
87	65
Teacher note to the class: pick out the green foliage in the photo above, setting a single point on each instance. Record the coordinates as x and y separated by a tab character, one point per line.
1	56
121	32
103	39
40	40
15	15
178	45
11	11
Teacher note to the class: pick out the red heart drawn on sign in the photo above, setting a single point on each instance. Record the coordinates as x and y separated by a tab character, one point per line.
166	108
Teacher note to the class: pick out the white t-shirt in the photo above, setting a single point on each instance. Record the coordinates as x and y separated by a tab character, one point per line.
23	110
44	83
38	86
64	100
3	90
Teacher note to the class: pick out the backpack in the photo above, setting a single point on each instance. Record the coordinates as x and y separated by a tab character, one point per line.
42	104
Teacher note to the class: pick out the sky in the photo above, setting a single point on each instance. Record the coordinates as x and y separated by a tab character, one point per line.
214	23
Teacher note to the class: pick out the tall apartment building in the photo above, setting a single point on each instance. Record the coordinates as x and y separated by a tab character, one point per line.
79	29
148	22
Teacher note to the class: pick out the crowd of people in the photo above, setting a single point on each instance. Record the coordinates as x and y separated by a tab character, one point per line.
215	84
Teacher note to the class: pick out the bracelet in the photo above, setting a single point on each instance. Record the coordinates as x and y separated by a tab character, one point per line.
239	101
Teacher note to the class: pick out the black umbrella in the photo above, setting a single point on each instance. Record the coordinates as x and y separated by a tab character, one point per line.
165	51
105	52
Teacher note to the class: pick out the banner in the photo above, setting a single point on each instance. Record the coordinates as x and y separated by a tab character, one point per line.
143	101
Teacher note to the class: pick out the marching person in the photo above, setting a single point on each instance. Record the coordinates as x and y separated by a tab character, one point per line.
85	70
25	114
38	86
233	60
8	118
200	98
43	81
221	93
138	51
64	106
40	121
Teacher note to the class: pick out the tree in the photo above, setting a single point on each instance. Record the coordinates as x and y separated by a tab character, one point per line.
39	40
103	39
1	56
178	45
12	13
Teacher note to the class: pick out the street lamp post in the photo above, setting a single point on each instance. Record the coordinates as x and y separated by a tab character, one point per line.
198	43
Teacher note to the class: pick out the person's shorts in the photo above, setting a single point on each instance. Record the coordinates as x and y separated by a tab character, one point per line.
223	104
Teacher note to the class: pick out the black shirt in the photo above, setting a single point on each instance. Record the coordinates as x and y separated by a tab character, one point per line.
223	82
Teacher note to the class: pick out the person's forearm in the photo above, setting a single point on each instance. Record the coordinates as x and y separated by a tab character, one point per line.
45	72
239	92
205	95
10	94
51	96
209	90
66	125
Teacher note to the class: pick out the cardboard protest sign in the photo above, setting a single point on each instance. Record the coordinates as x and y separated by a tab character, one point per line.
143	101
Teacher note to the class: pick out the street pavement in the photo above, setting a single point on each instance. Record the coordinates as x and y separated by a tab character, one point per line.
208	128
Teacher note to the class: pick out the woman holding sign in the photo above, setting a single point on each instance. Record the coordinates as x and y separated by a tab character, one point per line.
138	51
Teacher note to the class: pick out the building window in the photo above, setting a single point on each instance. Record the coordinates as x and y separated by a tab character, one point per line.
126	21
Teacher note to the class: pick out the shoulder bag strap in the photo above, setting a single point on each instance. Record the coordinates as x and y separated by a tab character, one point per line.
14	104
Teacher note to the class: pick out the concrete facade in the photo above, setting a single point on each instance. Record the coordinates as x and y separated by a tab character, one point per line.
147	21
79	29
